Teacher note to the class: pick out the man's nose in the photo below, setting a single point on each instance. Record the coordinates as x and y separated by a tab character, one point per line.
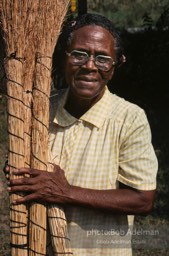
90	63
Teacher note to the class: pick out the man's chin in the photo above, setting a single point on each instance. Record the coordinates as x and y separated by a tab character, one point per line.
88	95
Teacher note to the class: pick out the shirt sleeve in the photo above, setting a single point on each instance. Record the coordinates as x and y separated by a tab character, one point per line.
137	160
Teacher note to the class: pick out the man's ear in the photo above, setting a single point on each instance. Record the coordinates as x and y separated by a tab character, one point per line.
122	60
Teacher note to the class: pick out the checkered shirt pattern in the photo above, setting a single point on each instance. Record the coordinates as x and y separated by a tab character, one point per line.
110	143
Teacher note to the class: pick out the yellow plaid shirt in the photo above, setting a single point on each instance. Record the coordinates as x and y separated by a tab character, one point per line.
110	143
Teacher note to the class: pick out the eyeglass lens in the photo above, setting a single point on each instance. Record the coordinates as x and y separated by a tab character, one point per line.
101	61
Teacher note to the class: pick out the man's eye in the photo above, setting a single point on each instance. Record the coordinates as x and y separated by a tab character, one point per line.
102	59
79	55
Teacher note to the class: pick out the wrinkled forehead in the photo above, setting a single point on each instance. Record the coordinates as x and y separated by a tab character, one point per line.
91	31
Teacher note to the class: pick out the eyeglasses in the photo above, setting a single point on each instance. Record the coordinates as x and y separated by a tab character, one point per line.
80	58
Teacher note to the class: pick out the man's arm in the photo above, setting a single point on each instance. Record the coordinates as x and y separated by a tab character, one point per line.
53	187
124	201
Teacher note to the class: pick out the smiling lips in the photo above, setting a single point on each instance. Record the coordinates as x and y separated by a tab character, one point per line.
86	79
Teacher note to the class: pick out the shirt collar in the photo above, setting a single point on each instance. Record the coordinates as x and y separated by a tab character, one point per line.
96	115
62	117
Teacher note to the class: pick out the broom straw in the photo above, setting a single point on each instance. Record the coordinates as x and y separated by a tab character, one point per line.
13	20
50	17
29	67
56	216
19	25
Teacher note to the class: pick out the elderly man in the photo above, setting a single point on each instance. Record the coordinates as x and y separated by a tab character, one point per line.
105	165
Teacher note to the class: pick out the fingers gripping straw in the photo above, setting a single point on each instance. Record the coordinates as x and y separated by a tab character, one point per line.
31	29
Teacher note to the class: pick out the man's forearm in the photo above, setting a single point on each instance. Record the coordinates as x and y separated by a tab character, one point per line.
124	201
52	187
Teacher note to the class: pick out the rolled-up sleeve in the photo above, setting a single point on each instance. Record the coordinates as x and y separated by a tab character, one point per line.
137	160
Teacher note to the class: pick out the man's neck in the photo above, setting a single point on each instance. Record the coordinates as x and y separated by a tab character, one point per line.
77	107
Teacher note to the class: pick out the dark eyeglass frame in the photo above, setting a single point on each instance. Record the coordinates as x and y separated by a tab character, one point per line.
86	56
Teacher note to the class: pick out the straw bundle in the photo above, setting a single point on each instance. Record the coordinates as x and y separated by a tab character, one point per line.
29	67
49	13
15	19
30	33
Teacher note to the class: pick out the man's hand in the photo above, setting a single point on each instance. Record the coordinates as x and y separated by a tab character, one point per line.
53	187
41	186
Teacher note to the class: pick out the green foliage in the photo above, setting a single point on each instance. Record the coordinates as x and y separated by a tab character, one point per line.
129	13
163	21
147	20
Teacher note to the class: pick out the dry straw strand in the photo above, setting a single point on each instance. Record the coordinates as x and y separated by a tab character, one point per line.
29	67
12	21
56	216
50	17
31	28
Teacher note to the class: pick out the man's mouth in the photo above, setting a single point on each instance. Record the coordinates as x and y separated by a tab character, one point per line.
86	79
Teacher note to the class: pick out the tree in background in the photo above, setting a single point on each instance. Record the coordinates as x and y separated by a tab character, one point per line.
129	13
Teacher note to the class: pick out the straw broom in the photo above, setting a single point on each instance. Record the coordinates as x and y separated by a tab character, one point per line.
56	216
13	20
48	24
29	67
18	20
18	8
39	132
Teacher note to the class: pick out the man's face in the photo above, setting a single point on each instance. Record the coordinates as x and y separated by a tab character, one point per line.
87	81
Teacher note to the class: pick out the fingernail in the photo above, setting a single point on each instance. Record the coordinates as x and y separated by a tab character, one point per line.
9	188
14	202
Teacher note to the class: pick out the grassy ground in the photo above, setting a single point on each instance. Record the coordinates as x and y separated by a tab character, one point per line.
158	220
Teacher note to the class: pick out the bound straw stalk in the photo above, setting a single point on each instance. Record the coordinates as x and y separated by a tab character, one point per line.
16	22
30	29
49	13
